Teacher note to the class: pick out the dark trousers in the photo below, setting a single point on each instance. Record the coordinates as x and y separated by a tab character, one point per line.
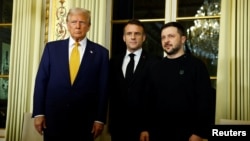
122	135
68	136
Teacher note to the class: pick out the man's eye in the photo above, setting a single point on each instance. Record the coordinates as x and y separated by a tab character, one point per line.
171	36
138	34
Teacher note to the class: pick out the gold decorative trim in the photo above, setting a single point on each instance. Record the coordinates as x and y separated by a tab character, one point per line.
142	20
213	77
4	76
61	14
195	18
47	21
5	24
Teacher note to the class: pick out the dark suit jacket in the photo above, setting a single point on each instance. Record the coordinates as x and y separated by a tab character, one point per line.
127	99
71	108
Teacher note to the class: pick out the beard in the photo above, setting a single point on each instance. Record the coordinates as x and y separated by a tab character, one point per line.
173	50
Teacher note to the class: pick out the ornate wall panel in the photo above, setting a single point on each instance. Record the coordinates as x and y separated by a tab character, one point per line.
56	25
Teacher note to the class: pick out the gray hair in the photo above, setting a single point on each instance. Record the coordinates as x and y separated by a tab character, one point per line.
79	10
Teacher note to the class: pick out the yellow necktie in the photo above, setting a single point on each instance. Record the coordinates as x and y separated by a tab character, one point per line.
74	62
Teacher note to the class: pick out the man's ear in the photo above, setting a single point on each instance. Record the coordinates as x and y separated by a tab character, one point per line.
123	37
183	39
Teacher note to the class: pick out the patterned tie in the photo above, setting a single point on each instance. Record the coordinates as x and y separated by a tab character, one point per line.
130	67
74	62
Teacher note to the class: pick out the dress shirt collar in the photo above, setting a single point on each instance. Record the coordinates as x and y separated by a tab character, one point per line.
81	47
82	43
137	53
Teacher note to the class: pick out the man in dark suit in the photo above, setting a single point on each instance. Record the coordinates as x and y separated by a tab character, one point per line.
68	108
127	91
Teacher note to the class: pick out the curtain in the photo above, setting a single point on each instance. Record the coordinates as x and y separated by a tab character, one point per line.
25	43
233	75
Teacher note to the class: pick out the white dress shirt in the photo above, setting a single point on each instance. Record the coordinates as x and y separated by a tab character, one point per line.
127	59
81	47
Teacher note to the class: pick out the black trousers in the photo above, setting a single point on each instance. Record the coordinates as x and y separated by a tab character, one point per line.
125	135
68	136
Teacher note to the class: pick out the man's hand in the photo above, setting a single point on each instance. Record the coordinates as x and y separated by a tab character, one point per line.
144	136
194	137
97	129
39	123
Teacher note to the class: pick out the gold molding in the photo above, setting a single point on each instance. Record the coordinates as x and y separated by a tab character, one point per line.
46	20
55	25
163	20
4	76
213	77
5	24
142	20
61	14
195	18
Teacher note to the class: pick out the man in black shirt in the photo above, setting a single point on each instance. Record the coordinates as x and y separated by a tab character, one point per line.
180	92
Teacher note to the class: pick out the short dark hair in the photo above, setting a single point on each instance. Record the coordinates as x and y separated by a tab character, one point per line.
135	22
180	28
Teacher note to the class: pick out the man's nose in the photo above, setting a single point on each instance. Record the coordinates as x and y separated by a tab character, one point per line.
132	36
78	24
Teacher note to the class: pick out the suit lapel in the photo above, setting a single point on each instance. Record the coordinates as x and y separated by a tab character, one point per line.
140	65
64	61
141	62
88	55
119	64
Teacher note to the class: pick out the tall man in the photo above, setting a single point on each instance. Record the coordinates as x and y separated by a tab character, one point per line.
180	92
70	97
127	88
